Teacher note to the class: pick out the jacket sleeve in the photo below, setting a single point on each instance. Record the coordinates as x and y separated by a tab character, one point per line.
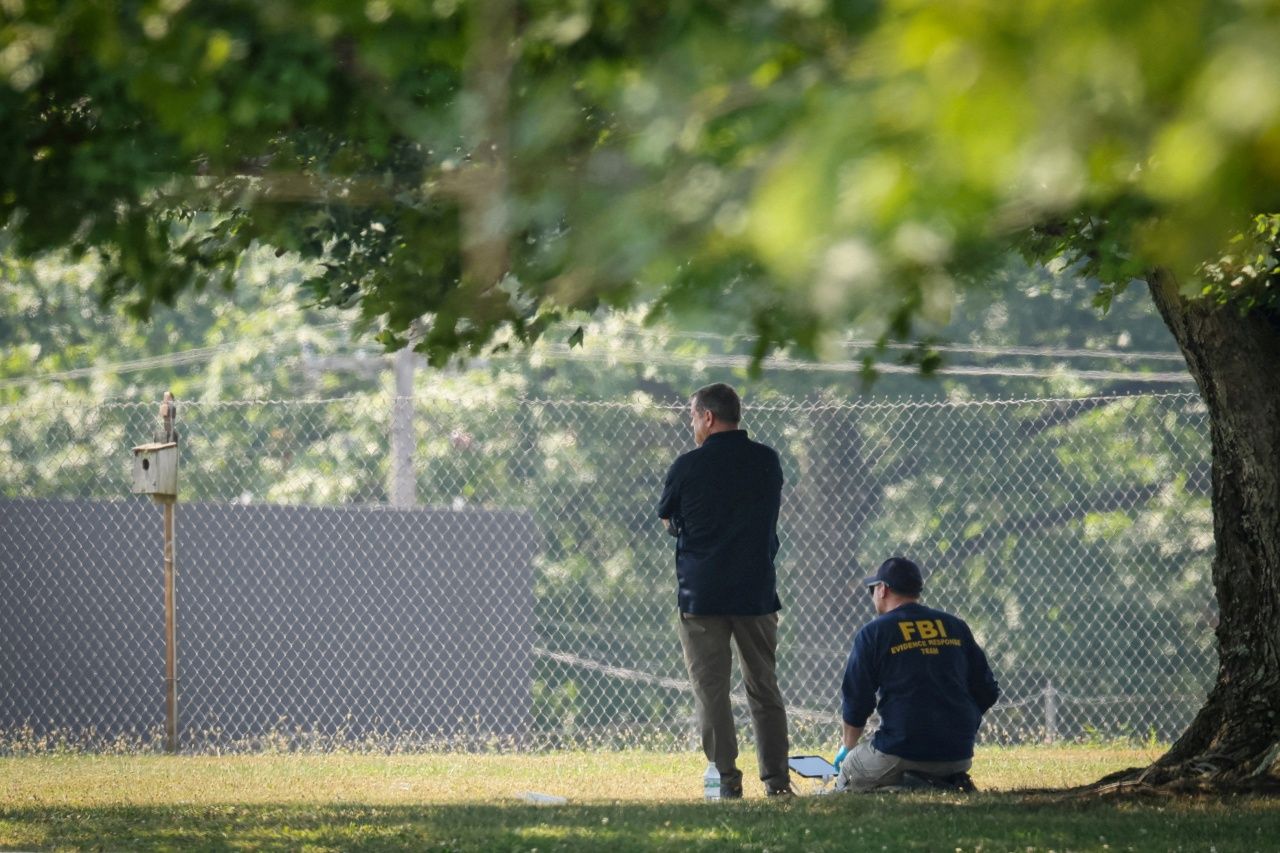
861	680
669	503
982	682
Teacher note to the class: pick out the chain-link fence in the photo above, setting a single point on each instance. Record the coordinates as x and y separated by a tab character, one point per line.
435	572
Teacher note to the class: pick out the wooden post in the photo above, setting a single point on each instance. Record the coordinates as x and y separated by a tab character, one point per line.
170	633
168	413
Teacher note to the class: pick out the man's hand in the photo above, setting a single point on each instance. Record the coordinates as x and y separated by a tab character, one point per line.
848	740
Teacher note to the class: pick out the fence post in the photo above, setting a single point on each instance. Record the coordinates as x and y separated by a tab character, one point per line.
168	414
155	473
403	479
170	633
1050	713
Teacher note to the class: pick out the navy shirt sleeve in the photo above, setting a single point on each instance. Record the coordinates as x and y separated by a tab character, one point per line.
982	681
861	680
669	503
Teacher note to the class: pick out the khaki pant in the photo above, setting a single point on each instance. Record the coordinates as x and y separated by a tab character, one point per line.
866	767
707	655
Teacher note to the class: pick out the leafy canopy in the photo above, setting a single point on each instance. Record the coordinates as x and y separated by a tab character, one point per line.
797	164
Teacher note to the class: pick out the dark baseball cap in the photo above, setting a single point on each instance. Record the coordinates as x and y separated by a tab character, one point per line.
900	575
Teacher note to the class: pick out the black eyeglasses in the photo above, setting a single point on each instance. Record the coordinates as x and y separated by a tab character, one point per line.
872	588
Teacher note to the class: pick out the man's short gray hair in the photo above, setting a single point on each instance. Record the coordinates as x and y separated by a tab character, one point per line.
720	400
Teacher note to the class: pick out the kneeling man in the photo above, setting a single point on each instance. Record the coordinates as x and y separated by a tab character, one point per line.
933	683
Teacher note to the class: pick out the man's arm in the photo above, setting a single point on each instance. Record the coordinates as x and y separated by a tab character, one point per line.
857	694
848	740
982	681
669	503
858	689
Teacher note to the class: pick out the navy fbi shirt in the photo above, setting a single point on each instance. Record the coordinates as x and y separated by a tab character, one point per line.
723	499
933	682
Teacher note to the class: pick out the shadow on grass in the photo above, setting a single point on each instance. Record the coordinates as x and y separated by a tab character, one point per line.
869	822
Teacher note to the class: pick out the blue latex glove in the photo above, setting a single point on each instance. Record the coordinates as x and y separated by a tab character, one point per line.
844	750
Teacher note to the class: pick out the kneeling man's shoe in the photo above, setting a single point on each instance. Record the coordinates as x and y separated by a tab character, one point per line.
728	793
915	780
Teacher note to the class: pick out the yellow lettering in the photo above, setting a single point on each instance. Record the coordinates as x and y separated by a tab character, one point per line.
926	629
907	629
942	631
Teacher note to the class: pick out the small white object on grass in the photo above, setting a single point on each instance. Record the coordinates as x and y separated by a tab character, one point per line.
540	799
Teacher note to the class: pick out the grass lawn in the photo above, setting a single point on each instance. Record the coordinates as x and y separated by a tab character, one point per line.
619	801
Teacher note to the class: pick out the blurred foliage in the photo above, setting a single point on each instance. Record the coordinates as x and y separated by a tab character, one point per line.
799	167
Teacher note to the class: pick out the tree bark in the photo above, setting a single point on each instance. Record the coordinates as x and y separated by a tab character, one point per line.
1234	357
837	496
485	215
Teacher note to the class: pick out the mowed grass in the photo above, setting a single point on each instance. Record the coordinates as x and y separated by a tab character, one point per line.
618	801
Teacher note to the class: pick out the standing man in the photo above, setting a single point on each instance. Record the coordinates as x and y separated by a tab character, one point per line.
933	684
721	502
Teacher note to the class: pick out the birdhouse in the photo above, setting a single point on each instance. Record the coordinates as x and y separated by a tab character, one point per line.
155	469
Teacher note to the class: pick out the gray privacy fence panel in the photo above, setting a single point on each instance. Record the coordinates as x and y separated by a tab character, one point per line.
345	623
79	644
457	568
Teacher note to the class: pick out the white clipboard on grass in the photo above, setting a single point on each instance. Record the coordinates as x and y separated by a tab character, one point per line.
813	767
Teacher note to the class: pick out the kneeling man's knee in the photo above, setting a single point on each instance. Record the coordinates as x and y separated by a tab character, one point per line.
865	768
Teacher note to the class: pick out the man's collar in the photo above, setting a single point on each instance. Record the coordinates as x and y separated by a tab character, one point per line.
732	433
915	602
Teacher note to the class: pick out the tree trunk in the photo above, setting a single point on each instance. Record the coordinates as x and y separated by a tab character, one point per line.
485	217
837	496
1235	359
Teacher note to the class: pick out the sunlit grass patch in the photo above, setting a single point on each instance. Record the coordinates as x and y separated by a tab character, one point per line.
618	801
451	778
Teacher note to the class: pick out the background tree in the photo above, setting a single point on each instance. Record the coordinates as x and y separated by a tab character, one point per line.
802	167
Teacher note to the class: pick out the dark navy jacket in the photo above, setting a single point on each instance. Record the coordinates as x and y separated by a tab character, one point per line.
723	499
933	682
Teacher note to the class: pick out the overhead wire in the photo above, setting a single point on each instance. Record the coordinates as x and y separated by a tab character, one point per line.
967	349
565	352
196	355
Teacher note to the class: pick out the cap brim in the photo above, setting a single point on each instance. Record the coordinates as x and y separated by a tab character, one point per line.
871	580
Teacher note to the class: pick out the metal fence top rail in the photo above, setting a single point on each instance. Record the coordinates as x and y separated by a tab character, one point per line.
812	404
